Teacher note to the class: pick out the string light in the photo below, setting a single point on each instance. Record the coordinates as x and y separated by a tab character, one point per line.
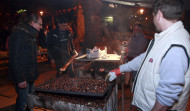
22	11
41	13
141	11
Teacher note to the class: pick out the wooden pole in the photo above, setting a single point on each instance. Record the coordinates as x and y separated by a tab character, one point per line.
69	62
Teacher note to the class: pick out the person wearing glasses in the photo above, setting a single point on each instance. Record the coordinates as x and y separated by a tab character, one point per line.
60	47
162	82
23	69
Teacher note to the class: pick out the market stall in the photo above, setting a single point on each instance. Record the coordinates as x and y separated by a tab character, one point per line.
98	68
75	95
81	93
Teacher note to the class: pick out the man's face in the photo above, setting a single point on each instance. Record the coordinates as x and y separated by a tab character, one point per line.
63	26
156	22
136	29
38	24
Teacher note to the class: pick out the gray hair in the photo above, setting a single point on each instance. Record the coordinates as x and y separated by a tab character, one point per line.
32	17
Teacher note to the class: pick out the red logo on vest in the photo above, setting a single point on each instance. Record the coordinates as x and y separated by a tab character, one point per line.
151	60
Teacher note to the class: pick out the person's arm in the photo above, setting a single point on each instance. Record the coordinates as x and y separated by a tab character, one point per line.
130	66
133	65
22	84
131	45
50	44
73	51
16	49
172	70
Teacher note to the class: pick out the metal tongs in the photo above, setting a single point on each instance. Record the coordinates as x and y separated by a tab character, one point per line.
107	79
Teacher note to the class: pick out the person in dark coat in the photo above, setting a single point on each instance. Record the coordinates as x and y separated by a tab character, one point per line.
137	43
60	47
23	58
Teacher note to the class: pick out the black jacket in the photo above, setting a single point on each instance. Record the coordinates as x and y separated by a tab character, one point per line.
60	44
23	54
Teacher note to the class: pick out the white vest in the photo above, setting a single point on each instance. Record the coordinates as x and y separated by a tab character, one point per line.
149	75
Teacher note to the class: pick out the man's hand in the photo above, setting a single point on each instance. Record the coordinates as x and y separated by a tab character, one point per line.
52	61
113	74
22	84
74	52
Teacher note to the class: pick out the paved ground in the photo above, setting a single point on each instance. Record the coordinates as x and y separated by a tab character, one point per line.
7	92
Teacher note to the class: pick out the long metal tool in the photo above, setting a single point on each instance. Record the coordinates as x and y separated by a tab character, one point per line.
107	79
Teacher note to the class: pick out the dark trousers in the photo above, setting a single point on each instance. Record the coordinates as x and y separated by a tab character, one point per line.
22	96
138	109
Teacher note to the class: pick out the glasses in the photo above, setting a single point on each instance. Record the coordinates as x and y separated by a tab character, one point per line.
39	23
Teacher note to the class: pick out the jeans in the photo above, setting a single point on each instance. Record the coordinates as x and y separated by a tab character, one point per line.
138	109
22	96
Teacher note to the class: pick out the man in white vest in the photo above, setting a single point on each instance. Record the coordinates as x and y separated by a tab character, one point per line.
163	79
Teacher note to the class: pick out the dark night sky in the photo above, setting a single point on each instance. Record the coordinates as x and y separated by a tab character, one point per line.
187	4
10	6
